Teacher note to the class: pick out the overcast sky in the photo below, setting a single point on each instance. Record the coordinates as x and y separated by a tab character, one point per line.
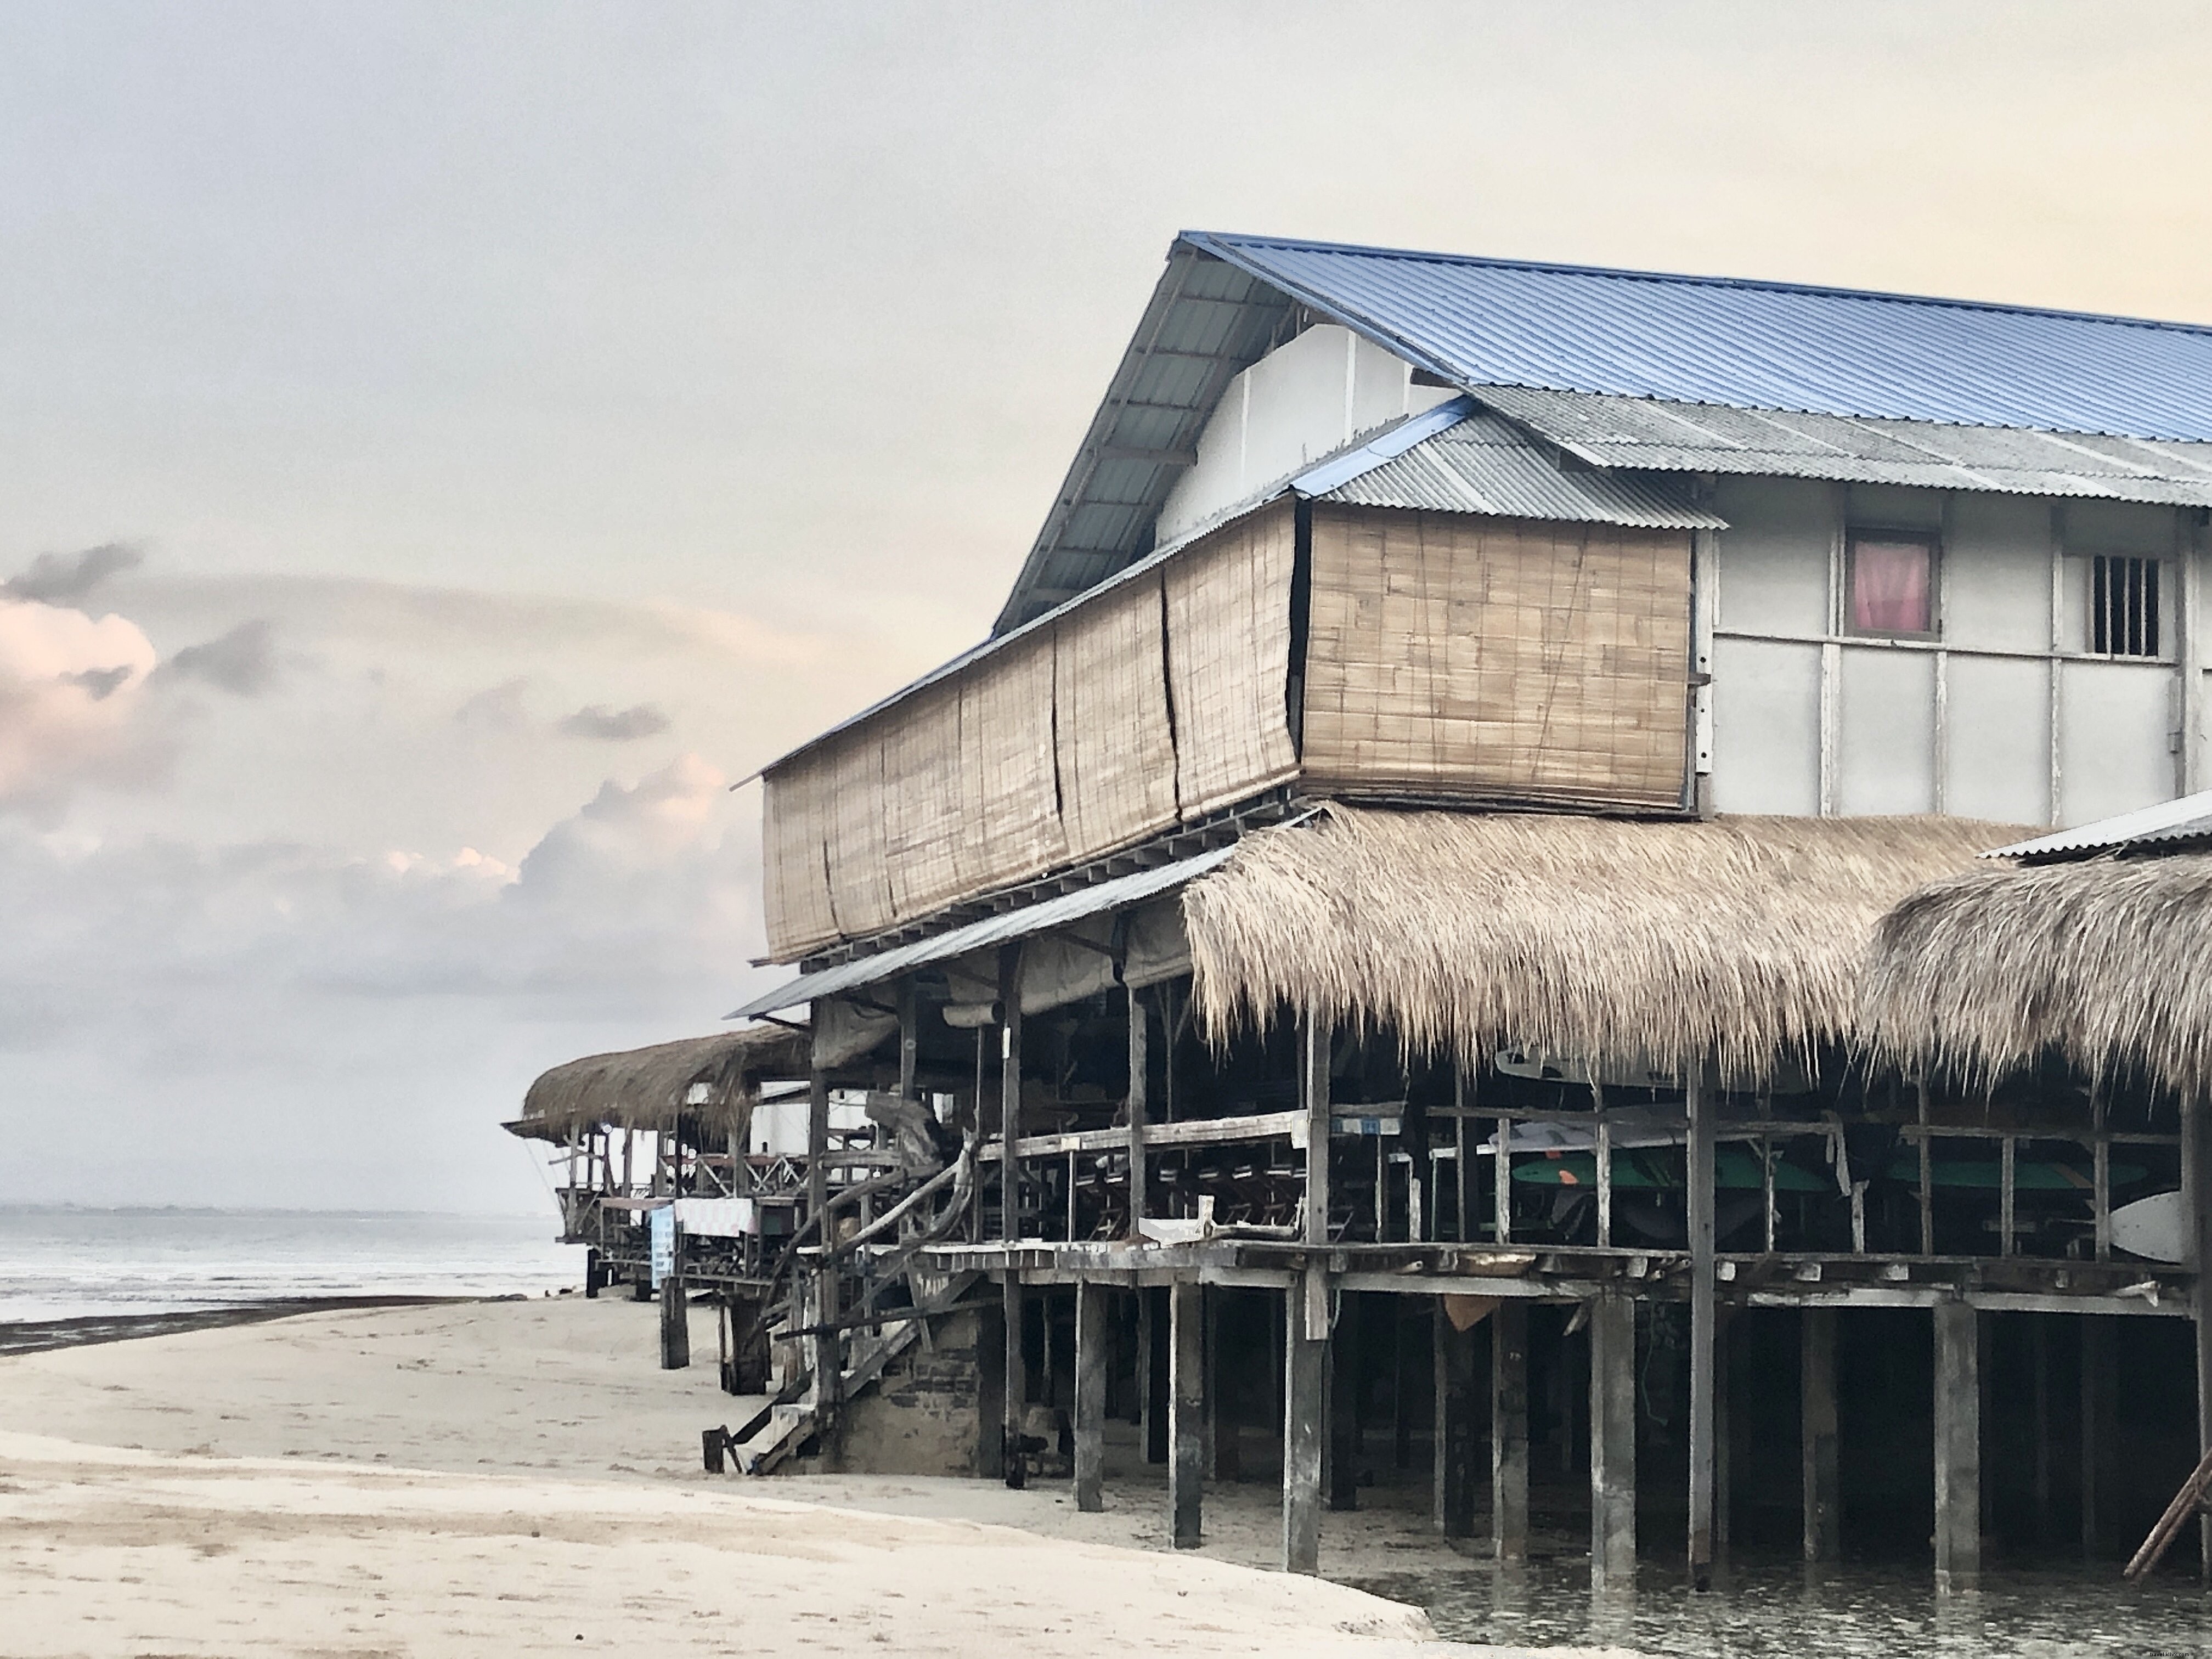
444	443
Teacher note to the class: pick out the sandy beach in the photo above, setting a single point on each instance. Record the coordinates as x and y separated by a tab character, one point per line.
518	1476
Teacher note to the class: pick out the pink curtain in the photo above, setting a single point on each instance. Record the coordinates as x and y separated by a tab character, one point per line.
1889	587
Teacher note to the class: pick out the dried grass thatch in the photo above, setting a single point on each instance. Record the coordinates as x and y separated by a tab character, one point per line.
1735	942
2106	963
650	1088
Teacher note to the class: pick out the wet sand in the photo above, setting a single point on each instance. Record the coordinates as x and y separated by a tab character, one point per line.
512	1477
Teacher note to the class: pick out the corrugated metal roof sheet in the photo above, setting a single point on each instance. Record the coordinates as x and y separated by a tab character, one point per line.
982	935
1644	435
2188	820
1750	344
1473	462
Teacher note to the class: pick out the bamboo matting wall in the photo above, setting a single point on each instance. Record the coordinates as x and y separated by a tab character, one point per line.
1449	654
1160	699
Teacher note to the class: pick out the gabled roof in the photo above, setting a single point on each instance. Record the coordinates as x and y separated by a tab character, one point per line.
1474	323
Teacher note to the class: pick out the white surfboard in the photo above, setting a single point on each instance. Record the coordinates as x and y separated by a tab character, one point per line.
2152	1228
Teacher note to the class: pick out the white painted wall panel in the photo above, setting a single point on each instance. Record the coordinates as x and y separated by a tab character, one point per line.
1884	731
1774	556
2127	527
1895	506
1997	759
1997	574
1766	727
1305	399
2114	723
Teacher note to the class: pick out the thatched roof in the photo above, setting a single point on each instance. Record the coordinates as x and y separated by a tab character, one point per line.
649	1088
1736	942
2106	963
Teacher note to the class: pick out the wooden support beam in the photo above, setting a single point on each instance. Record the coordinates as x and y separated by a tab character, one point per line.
1092	1301
990	1393
2099	1387
1958	1446
1225	1460
1456	1424
1152	1373
1313	1082
1016	1394
1509	1431
1821	1471
675	1322
1724	1436
1702	1329
1186	1410
2196	1189
1345	1377
1612	1442
909	1026
1010	1097
1305	1338
1140	1025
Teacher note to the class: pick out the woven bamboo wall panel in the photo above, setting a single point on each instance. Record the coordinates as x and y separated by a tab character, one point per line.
1116	748
923	820
1229	656
795	836
1009	771
1449	654
859	872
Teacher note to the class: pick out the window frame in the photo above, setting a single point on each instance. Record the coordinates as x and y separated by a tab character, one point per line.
1930	539
2158	594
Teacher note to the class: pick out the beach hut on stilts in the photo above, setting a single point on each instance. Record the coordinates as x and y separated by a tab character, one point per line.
1443	938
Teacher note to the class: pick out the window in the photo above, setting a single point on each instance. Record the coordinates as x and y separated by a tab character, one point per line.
2124	606
1890	579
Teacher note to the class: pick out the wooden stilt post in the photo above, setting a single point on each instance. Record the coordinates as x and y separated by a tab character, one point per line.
1702	1313
1186	1409
2100	1378
1091	1308
1223	1454
990	1393
2196	1189
1313	1084
1305	1308
1152	1375
1140	1082
1723	1437
1010	1091
825	1356
1816	1393
1612	1442
674	1317
2038	1344
1341	1470
1016	1394
1454	1441
1958	1446
1509	1431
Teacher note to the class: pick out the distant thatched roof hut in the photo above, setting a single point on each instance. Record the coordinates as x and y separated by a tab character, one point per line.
712	1079
1736	942
2102	961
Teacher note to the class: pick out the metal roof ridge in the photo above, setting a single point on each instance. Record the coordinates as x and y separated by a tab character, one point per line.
1214	242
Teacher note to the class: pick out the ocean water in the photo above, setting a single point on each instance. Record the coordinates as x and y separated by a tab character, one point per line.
1775	1609
70	1263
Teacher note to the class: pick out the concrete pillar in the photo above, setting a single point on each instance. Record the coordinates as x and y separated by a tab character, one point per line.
1509	1431
1455	1426
1090	1311
1958	1446
1816	1392
1612	1442
1186	1409
1305	1308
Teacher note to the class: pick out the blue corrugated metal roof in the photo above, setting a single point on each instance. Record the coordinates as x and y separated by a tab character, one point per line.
1751	344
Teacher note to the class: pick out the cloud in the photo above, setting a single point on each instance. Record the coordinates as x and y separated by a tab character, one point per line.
66	578
608	725
242	661
69	686
496	708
